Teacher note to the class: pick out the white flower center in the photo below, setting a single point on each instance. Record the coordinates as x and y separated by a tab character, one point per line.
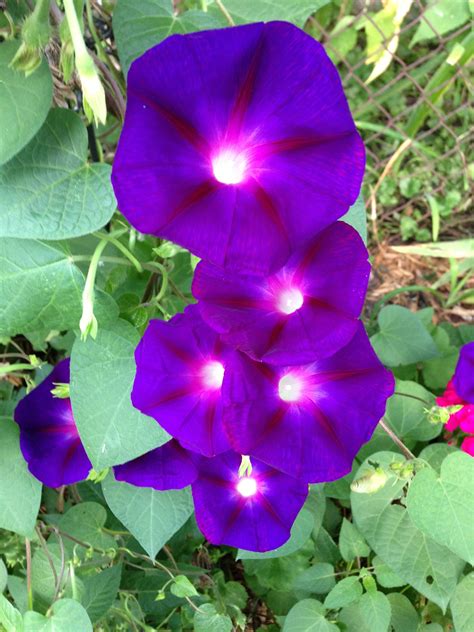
229	167
290	300
290	388
247	487
213	374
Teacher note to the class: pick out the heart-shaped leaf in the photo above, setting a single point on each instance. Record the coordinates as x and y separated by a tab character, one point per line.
442	506
64	614
386	525
49	191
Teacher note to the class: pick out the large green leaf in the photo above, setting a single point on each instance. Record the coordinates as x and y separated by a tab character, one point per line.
461	605
442	507
102	374
351	542
64	614
152	517
402	338
140	25
406	412
207	619
296	11
440	18
41	289
386	524
344	593
24	102
85	521
371	613
10	617
318	578
404	616
49	191
20	492
100	591
308	616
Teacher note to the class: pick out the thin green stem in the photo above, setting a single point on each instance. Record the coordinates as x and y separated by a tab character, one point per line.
118	244
5	369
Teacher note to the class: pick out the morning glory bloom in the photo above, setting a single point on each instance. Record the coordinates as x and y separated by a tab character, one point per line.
49	439
253	512
168	467
180	370
305	311
310	420
238	144
459	398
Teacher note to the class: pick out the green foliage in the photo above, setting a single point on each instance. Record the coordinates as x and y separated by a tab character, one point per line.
318	579
344	593
63	612
100	592
24	102
371	613
20	492
461	605
308	616
152	517
49	191
102	374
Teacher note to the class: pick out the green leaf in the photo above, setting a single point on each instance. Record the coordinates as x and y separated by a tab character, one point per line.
351	542
49	191
402	338
318	579
384	574
140	25
370	614
102	374
435	453
41	289
308	616
100	591
344	593
152	517
209	620
42	578
63	613
440	18
407	415
182	587
296	11
442	506
85	522
3	576
24	102
461	605
404	616
10	618
20	492
357	217
386	524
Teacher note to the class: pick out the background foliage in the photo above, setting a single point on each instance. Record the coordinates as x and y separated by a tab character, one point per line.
111	557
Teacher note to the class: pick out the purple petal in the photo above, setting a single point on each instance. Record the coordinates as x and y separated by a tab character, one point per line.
464	373
180	367
260	316
168	467
232	149
308	421
259	517
49	439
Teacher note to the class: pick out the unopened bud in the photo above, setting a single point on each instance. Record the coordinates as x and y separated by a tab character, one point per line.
60	390
35	34
370	483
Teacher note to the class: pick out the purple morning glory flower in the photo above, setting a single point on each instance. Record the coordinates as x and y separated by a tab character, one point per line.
168	467
180	369
238	144
49	439
308	421
253	512
464	373
306	310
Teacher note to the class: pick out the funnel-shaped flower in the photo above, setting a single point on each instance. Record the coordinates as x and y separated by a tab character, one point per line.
238	144
180	369
306	310
168	467
254	512
49	439
308	421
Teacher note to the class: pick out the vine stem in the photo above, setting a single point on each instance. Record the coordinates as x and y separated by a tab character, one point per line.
406	451
29	587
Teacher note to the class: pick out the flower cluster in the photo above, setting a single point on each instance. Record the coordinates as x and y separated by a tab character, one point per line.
239	145
458	398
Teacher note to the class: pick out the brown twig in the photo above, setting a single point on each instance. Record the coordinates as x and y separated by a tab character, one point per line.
406	451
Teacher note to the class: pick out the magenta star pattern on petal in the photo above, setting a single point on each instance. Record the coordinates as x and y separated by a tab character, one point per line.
305	311
49	439
180	369
233	149
311	420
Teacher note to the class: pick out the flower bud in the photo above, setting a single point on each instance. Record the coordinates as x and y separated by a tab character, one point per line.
60	390
370	483
35	34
